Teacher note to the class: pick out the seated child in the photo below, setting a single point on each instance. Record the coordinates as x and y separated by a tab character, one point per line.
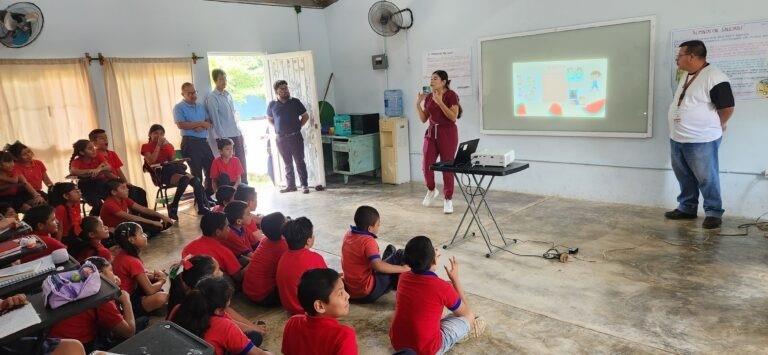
14	187
117	208
43	222
159	151
259	276
215	230
65	198
145	288
247	194
101	143
31	345
224	195
322	295
367	274
92	171
299	258
226	169
32	169
190	271
89	242
203	314
239	241
418	323
108	318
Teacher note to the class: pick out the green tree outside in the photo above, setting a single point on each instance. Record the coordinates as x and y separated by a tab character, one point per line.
245	75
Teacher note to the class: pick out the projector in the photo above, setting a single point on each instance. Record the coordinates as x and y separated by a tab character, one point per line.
491	158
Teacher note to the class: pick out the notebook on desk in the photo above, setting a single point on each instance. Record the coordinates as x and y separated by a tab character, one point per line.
18	319
21	272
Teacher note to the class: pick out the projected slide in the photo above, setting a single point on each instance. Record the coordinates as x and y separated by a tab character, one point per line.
567	89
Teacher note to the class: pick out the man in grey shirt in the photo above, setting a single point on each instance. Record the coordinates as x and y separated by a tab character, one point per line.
221	111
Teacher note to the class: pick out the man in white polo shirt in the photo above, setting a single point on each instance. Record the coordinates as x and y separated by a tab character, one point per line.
700	109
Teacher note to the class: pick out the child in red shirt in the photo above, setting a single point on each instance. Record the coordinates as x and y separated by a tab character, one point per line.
259	276
89	242
107	318
43	222
159	151
146	288
203	313
247	194
215	230
92	171
14	187
239	240
367	274
224	195
32	169
118	205
101	143
299	258
226	169
318	332
418	323
65	198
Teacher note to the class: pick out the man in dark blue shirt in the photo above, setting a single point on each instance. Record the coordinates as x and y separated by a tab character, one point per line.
287	114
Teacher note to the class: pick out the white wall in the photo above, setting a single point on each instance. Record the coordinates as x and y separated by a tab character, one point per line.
635	171
171	28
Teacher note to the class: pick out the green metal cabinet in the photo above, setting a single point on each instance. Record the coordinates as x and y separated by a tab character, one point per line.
353	154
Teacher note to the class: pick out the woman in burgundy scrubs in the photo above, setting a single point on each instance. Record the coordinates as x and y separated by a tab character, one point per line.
441	109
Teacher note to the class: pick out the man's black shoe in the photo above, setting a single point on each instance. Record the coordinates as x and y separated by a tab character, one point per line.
712	223
677	214
305	189
288	189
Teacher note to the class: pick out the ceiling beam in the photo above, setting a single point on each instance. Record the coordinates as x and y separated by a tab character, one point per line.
312	4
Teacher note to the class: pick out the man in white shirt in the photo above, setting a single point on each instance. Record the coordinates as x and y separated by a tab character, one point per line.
700	109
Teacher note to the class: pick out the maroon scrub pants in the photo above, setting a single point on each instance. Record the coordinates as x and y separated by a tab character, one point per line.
441	141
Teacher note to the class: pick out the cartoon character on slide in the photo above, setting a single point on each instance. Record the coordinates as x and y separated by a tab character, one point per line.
596	80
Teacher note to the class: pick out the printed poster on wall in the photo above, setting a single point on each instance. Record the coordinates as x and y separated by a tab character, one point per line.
740	50
456	62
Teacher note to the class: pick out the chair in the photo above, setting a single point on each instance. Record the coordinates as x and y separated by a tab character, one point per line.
155	173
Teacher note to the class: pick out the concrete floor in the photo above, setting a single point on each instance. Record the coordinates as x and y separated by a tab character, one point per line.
640	283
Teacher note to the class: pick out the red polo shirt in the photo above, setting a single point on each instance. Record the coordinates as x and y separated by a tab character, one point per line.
212	247
86	325
127	267
81	163
11	191
33	172
259	278
225	337
419	309
232	168
241	241
113	160
358	250
97	249
69	217
291	266
167	153
51	244
112	205
306	335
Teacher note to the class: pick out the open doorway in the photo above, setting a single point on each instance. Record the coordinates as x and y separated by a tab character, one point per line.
246	83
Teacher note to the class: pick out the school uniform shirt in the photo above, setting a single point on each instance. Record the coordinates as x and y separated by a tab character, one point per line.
225	336
11	191
213	248
696	120
86	325
291	266
97	249
81	163
69	218
419	309
259	278
358	250
113	160
307	335
33	172
111	207
240	241
127	267
167	152
232	168
51	244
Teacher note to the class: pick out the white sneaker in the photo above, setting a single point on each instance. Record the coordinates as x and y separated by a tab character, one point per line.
447	206
431	196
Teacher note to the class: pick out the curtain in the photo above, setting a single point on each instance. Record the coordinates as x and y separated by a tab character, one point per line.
142	92
46	104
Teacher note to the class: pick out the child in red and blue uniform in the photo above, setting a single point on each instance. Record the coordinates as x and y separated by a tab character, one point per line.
43	222
215	230
300	237
259	277
239	240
